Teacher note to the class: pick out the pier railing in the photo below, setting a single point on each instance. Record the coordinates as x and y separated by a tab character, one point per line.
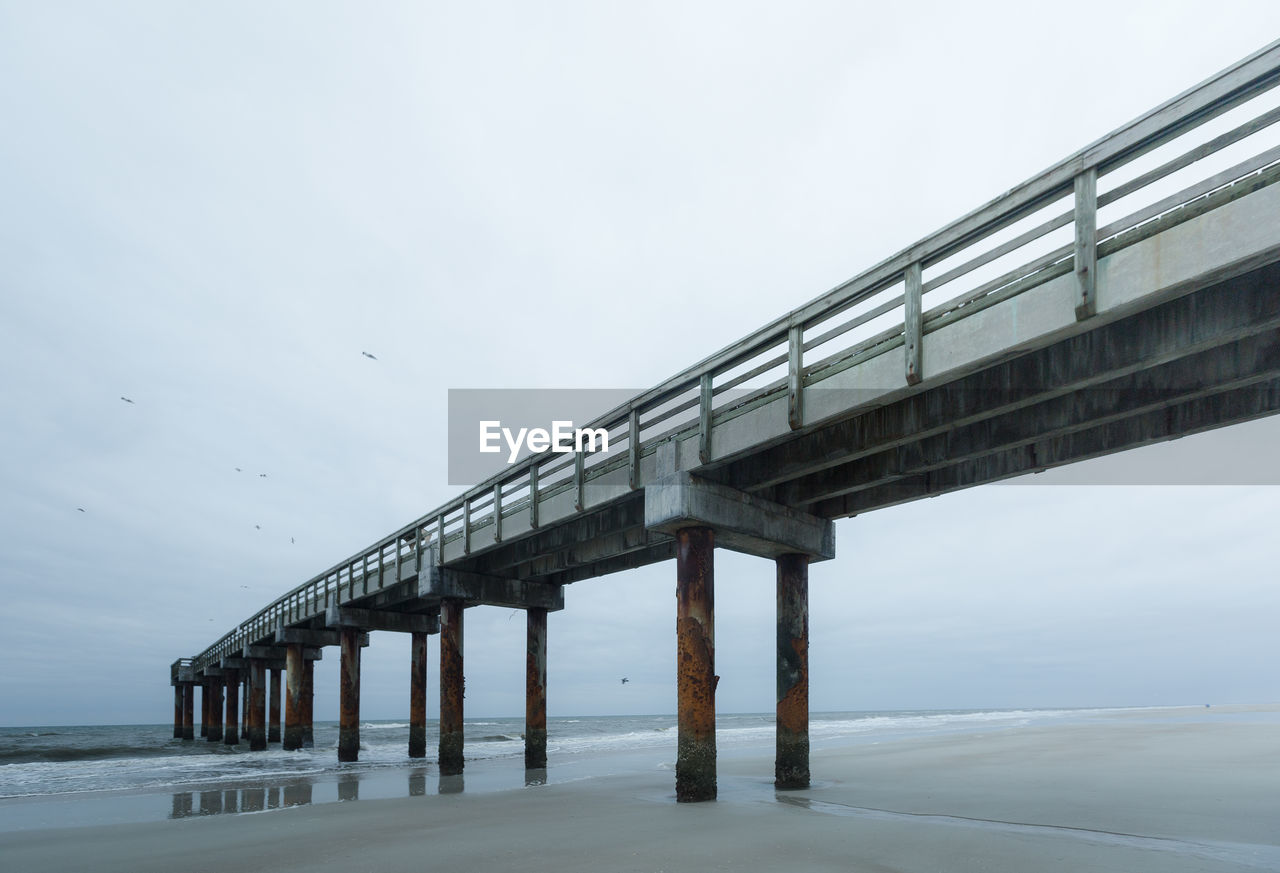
1205	147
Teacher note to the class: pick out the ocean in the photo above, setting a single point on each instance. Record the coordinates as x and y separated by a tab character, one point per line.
59	776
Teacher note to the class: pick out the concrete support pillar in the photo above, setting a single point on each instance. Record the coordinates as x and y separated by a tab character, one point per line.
349	704
535	689
204	709
273	724
177	710
231	735
257	705
695	664
188	710
293	698
791	766
451	687
215	710
418	696
308	701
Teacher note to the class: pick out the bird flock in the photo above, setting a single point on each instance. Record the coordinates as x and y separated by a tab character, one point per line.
292	540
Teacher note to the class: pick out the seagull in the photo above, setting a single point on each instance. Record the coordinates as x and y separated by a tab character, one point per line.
291	539
257	527
262	475
625	680
369	356
238	470
125	399
78	509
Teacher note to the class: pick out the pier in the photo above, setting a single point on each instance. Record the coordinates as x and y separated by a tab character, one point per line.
1089	310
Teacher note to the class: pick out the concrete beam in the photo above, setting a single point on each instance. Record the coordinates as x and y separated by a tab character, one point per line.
742	522
313	639
383	620
477	589
233	663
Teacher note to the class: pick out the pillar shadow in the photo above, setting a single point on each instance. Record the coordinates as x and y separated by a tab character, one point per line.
229	801
537	776
253	799
298	794
273	797
450	784
418	782
349	788
210	802
183	803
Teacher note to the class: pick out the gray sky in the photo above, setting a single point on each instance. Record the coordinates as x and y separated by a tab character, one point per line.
213	209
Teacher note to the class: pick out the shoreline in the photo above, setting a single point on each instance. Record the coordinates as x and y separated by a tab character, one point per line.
1160	790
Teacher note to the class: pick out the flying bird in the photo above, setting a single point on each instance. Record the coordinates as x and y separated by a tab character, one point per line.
125	399
78	509
625	680
290	539
262	475
238	470
369	356
257	527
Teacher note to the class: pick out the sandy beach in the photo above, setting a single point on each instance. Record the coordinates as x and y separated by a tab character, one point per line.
1164	790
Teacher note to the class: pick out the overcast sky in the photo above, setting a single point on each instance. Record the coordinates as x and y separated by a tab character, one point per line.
213	209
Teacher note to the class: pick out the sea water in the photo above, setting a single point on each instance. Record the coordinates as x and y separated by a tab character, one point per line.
60	776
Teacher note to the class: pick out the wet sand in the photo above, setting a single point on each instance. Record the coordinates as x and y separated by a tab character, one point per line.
1169	791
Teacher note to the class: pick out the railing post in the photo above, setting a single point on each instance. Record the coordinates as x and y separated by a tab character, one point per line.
704	418
633	449
795	372
579	474
466	525
1086	254
497	513
912	317
533	494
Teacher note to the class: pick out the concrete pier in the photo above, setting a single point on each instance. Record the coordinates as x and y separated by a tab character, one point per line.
418	695
308	701
204	709
451	687
349	704
695	665
231	733
188	710
535	690
215	709
257	714
791	765
273	723
293	698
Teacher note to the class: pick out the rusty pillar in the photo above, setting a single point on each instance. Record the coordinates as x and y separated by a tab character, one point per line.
535	689
231	736
418	696
451	687
308	701
293	698
349	704
204	710
791	766
695	664
215	710
273	698
257	715
188	710
177	710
